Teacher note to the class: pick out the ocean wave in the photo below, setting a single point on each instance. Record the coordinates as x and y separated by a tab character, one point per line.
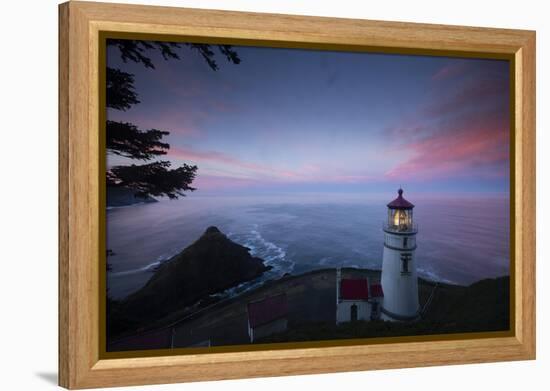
146	268
433	276
273	255
150	267
125	206
239	289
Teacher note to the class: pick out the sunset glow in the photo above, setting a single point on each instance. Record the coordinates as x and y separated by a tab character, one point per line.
298	121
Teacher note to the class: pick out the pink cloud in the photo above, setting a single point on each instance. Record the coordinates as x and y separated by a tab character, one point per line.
171	119
478	149
462	105
221	182
214	182
227	169
450	71
223	107
183	153
474	93
458	132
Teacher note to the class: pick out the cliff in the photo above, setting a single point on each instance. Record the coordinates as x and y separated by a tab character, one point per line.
210	265
482	306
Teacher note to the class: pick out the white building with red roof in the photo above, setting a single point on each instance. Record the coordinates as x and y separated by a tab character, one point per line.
267	316
357	299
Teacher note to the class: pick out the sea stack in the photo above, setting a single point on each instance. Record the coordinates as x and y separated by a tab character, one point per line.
209	265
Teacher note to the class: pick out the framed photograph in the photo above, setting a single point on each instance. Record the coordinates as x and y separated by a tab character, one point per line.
246	195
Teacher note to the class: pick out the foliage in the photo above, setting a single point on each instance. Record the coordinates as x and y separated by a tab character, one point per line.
120	90
126	140
135	50
154	179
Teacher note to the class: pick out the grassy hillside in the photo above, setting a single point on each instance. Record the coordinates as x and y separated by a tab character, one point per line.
482	306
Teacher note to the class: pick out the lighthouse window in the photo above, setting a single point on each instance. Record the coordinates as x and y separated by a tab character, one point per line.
405	240
401	219
405	259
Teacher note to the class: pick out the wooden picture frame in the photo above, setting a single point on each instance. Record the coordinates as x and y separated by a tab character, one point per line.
81	25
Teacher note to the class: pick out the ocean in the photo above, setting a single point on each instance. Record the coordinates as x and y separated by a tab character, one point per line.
460	240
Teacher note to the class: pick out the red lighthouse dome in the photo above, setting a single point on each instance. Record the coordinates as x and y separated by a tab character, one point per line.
400	202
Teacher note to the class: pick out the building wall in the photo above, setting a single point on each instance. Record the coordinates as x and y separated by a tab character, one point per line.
400	289
398	241
277	326
343	311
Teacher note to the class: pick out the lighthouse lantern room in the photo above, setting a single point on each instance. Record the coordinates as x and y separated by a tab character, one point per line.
399	276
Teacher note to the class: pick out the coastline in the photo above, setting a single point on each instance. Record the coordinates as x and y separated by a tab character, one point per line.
312	298
308	236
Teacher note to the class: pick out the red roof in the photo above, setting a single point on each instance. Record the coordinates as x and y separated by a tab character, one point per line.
354	289
376	290
267	310
400	202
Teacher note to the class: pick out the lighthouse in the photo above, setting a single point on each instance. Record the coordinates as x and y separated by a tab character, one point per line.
399	278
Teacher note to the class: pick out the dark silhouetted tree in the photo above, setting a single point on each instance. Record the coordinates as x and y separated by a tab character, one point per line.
125	139
120	90
154	179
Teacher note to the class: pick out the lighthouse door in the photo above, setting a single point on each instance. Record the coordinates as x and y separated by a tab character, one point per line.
353	314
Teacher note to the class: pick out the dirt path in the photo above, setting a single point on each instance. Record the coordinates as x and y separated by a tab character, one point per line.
311	297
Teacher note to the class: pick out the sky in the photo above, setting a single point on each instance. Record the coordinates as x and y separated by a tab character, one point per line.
294	120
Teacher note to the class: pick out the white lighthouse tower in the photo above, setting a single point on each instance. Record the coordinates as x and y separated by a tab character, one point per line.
399	278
